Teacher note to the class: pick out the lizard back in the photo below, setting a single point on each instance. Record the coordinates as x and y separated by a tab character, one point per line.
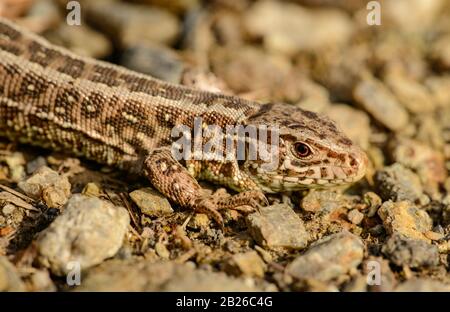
53	98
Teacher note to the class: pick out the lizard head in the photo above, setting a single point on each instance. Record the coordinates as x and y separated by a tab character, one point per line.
312	152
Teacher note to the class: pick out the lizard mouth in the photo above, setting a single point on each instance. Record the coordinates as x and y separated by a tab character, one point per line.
330	175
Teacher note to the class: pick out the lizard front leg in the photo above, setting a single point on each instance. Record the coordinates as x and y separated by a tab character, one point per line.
173	180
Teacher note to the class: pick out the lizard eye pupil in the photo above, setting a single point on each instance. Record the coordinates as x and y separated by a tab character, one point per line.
302	150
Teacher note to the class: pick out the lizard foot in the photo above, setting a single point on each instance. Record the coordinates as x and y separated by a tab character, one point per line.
245	202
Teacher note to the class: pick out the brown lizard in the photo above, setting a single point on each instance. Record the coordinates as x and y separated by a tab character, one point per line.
56	99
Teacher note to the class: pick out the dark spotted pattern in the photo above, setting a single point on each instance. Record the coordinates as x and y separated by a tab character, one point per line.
93	105
105	75
72	67
30	89
17	51
9	32
66	100
42	55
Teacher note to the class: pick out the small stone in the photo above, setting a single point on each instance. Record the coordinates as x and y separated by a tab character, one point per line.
323	201
422	285
81	39
328	257
88	231
414	253
35	164
265	255
398	183
142	275
277	226
314	29
379	102
400	16
9	277
125	22
438	86
8	209
248	263
47	184
355	216
378	274
151	202
14	9
250	69
91	189
429	164
410	93
373	202
155	60
41	281
403	218
200	221
162	250
15	163
353	122
434	236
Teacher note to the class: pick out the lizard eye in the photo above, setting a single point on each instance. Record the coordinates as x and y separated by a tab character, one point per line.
302	150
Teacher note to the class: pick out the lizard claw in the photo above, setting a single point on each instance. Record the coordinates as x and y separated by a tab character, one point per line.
245	202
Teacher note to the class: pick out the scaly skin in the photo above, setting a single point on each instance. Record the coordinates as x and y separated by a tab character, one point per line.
56	99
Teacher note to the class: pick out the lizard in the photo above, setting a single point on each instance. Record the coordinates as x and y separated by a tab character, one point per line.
53	98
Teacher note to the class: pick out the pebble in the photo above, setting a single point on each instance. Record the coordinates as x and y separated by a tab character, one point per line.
89	230
373	202
398	183
92	189
353	122
48	185
429	164
8	209
141	275
355	216
379	102
13	8
15	162
162	250
414	253
155	60
438	86
328	257
40	280
376	276
277	226
414	96
404	218
151	202
422	285
250	69
35	164
9	277
388	279
81	40
131	24
323	201
314	29
399	15
248	263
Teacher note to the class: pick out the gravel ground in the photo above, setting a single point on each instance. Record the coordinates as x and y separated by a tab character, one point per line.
387	86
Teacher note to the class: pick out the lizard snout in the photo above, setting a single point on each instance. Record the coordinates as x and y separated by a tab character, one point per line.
358	163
